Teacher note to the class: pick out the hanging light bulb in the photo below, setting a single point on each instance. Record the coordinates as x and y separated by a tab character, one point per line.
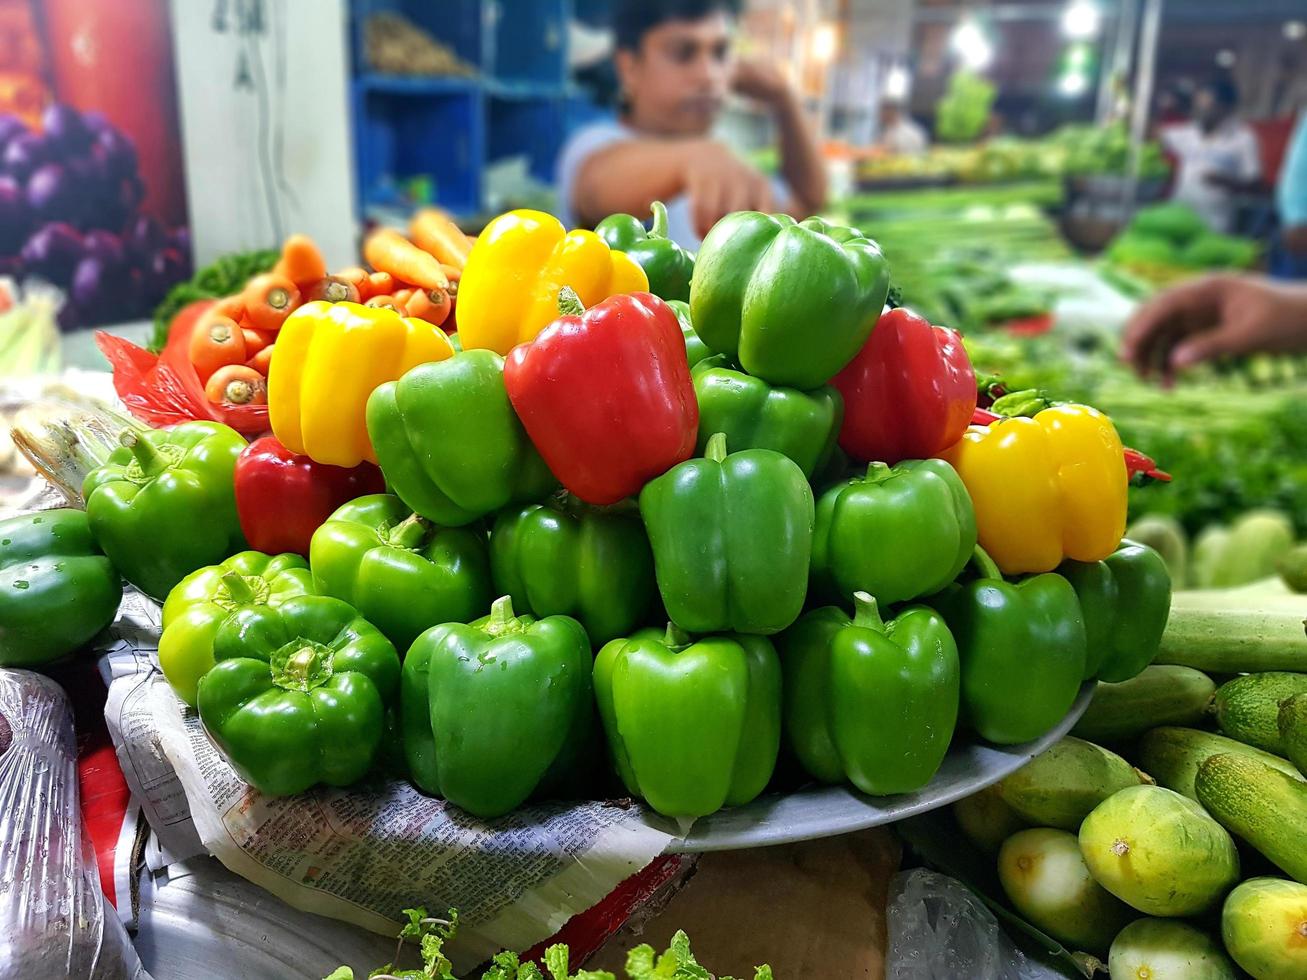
1081	20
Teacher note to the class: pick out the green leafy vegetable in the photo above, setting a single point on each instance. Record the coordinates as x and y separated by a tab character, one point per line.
431	934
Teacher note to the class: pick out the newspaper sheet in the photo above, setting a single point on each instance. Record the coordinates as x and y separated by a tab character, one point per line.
365	853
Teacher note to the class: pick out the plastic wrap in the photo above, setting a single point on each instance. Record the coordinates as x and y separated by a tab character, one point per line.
165	390
53	920
940	930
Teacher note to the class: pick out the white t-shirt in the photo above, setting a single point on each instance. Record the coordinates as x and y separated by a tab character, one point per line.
1229	150
588	141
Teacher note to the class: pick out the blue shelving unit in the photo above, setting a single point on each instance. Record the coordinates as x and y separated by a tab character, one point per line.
450	129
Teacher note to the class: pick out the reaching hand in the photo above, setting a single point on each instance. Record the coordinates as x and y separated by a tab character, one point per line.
718	182
1212	317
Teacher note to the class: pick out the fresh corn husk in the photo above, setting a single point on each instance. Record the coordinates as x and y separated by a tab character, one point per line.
64	440
29	335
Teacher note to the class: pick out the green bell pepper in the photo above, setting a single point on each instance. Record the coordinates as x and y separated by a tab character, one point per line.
164	503
401	572
898	532
564	557
695	349
498	711
691	726
249	582
868	701
56	589
731	539
299	694
449	442
1022	649
755	415
667	265
1126	599
790	302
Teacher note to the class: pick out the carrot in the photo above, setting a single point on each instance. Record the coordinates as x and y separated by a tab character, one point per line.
262	360
256	340
300	261
431	305
355	274
379	283
269	299
215	342
385	302
333	289
435	232
230	306
237	384
400	296
389	251
452	273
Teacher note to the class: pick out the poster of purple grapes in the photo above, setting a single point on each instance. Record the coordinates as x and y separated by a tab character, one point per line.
92	191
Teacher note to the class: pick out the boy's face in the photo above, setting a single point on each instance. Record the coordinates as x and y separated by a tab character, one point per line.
678	78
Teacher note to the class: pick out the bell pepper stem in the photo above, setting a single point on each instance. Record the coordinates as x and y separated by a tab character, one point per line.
675	638
151	461
238	588
409	532
878	472
659	228
569	303
716	448
501	616
986	565
866	613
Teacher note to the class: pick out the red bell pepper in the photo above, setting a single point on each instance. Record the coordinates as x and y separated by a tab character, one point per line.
908	394
283	498
605	394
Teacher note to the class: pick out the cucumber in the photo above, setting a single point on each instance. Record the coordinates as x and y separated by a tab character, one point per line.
1060	786
1172	756
1161	695
986	819
1159	851
1228	633
1248	707
1209	551
1164	535
1293	568
1246	552
1263	806
1163	949
1046	880
1292	722
1264	927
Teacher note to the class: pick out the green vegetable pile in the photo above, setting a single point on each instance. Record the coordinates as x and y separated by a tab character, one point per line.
961	114
431	934
223	277
1168	241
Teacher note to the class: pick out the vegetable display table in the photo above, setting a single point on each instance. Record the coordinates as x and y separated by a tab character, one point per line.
826	811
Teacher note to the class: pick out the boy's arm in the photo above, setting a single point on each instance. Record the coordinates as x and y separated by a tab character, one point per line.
801	163
628	176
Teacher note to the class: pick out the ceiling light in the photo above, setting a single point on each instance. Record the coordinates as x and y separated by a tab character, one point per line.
1225	58
897	83
1295	30
970	44
1081	19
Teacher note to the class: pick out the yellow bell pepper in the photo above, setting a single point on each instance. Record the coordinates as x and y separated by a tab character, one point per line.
509	290
328	359
1045	488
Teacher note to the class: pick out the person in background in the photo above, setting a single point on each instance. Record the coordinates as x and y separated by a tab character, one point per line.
899	132
675	66
1215	316
1216	155
1290	257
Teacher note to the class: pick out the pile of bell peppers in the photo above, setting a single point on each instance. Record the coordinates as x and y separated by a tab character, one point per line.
642	521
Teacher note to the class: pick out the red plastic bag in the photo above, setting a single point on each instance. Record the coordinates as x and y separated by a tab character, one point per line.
165	390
